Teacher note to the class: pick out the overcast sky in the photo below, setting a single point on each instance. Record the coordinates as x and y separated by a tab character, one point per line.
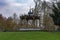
8	7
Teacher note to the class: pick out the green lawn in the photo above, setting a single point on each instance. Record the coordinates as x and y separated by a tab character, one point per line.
29	36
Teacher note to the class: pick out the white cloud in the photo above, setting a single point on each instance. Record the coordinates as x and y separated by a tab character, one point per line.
13	6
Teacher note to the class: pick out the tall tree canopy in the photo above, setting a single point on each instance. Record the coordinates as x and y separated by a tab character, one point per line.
56	15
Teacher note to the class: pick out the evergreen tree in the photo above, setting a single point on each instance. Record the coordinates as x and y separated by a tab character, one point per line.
56	15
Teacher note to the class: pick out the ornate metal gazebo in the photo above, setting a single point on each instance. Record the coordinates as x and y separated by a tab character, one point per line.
29	21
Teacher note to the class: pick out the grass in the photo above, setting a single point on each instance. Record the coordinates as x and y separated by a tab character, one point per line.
29	36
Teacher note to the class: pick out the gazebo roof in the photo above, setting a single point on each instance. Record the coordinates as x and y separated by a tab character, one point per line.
29	17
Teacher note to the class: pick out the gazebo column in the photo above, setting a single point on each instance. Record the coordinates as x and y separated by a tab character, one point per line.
36	23
33	22
40	23
27	25
20	23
